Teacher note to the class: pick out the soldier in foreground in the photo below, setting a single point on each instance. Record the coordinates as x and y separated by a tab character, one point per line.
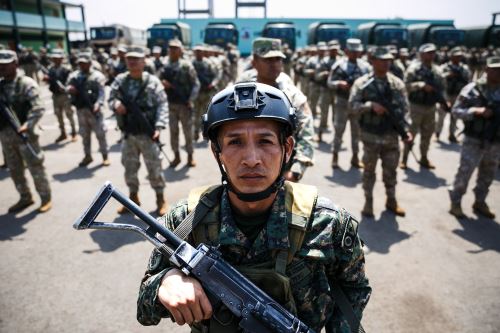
268	68
139	101
380	99
86	87
57	76
250	127
182	86
21	94
478	105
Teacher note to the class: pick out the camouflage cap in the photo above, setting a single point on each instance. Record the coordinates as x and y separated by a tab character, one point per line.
404	52
198	47
135	52
354	44
322	46
456	52
84	57
334	44
267	48
493	62
57	53
175	43
122	48
382	53
427	47
7	56
156	49
113	51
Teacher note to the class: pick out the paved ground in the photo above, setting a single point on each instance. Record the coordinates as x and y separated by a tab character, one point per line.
430	272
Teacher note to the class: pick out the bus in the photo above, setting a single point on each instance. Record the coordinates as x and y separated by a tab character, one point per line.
380	33
327	31
115	34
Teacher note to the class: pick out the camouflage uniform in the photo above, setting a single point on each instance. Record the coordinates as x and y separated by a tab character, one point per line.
304	150
299	71
313	87
379	140
344	70
23	95
327	96
477	151
321	261
89	121
153	103
182	75
60	99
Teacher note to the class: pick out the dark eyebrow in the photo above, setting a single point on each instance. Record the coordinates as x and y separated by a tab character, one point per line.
238	134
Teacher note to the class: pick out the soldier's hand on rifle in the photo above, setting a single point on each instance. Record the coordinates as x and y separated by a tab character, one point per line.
23	128
428	88
344	85
72	90
46	78
409	138
156	135
166	84
378	108
184	298
96	107
120	108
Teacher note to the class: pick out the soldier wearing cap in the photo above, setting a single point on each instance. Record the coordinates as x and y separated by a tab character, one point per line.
381	101
267	65
403	59
313	88
342	76
118	64
299	69
21	94
478	105
233	56
182	86
139	101
56	77
396	67
425	83
209	80
457	75
157	59
28	60
86	86
327	95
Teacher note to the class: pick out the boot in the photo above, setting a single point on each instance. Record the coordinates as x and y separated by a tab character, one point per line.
61	137
368	208
135	198
320	136
481	208
456	210
355	162
23	203
335	161
86	161
452	138
424	161
392	205
191	162
73	135
161	204
176	161
46	205
438	134
105	160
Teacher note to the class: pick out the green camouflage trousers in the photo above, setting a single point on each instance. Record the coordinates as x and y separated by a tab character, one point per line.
387	149
17	156
304	85
342	114
89	121
62	105
180	113
423	121
326	99
200	107
313	97
472	156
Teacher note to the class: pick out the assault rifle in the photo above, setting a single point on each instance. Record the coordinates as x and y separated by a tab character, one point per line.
491	127
82	98
438	91
53	80
10	116
257	312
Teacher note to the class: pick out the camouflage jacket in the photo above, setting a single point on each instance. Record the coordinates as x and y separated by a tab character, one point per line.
59	73
417	76
344	70
185	84
152	101
456	77
323	70
23	95
94	82
368	89
322	261
304	137
207	74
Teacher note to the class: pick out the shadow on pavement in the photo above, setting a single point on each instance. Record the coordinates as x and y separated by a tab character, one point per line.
449	146
379	235
4	173
483	232
77	173
324	147
111	240
176	175
56	146
12	226
349	178
115	148
424	178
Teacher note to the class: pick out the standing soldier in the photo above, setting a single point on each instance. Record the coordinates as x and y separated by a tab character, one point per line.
342	76
21	103
182	86
425	85
300	67
327	95
57	77
309	71
380	99
457	75
86	87
157	60
287	62
233	55
29	63
139	101
478	105
208	82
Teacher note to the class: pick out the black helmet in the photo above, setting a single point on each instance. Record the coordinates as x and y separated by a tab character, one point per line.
249	100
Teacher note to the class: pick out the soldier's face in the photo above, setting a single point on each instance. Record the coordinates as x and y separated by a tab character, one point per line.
381	66
252	154
268	69
135	64
174	53
8	70
84	66
427	57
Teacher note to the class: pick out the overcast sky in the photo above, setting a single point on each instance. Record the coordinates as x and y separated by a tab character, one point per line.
143	13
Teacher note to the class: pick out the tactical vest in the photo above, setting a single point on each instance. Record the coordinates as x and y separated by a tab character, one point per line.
57	74
181	82
300	201
482	128
204	74
455	83
420	96
88	92
372	122
348	77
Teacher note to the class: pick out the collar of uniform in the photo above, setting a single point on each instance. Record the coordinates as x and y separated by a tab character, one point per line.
273	236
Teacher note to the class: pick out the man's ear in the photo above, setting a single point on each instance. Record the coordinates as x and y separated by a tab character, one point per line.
289	144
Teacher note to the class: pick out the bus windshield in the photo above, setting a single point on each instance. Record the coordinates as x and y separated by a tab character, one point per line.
218	36
327	34
449	37
393	36
103	33
162	33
